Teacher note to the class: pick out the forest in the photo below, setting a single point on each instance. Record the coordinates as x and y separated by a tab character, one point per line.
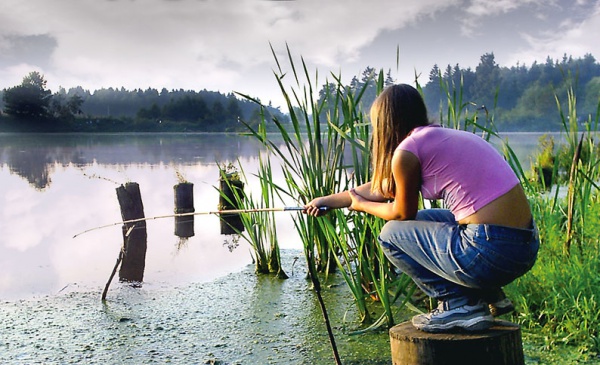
518	98
523	98
31	107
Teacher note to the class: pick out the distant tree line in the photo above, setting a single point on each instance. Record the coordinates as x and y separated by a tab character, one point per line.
30	106
520	98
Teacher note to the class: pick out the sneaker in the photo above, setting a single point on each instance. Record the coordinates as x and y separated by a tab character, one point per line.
468	317
501	307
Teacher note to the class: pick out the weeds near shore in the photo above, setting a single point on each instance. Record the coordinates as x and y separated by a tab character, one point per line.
558	299
325	150
260	227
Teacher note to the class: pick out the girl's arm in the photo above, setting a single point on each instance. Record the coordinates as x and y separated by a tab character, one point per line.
341	200
406	170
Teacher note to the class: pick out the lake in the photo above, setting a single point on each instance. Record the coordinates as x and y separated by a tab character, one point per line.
200	301
55	186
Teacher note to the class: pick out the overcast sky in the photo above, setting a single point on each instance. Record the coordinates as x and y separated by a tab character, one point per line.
224	45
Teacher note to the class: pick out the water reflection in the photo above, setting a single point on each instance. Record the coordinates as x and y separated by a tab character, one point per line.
31	164
54	186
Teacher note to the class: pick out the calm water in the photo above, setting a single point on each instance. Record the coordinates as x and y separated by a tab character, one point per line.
200	303
55	186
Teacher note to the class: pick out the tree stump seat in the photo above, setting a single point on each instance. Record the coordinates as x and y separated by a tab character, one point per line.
499	345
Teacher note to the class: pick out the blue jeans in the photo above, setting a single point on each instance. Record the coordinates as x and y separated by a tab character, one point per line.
458	264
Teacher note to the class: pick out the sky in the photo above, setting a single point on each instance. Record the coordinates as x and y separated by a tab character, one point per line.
238	45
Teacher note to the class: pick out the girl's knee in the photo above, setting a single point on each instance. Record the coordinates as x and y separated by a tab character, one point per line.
388	230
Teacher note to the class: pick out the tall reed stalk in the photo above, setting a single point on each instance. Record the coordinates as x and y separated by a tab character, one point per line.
583	174
260	227
311	158
325	150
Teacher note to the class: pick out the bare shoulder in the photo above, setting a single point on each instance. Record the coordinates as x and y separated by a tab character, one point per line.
405	160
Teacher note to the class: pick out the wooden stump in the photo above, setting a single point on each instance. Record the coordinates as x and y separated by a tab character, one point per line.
230	187
184	197
499	345
135	236
184	203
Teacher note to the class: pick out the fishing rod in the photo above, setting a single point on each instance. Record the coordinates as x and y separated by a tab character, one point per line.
215	212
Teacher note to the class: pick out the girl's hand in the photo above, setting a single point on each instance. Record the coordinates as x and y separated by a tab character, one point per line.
357	201
316	207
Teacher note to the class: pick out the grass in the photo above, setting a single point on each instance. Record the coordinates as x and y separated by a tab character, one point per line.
325	150
558	300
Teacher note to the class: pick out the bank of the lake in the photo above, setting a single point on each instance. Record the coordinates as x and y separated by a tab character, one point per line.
241	318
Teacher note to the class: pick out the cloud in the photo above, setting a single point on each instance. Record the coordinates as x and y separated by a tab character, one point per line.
160	41
573	37
29	48
479	11
225	45
494	7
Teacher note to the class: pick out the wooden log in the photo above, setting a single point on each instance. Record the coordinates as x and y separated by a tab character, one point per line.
134	240
499	345
184	197
184	203
230	186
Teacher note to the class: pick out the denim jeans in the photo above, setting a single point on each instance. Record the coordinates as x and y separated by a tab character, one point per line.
457	264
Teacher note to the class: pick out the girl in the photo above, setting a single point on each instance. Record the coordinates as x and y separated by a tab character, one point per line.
463	255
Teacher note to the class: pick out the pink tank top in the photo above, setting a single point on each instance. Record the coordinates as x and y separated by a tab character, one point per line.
459	167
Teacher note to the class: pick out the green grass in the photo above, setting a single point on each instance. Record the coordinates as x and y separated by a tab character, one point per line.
557	302
326	150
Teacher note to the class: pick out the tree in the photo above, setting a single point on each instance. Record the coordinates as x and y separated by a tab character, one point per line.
435	75
30	100
432	90
487	80
65	107
592	96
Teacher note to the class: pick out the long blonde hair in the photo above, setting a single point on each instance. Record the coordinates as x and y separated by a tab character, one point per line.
394	114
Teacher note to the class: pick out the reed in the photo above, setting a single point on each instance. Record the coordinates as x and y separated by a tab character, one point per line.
311	157
258	220
325	150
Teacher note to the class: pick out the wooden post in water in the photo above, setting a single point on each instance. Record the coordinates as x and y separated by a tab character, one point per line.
184	203
499	345
135	243
230	186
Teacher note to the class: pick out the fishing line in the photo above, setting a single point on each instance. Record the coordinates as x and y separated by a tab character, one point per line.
215	212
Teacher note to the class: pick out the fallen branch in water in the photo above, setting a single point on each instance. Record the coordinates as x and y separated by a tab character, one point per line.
119	259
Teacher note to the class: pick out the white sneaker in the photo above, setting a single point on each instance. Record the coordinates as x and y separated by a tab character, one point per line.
468	317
